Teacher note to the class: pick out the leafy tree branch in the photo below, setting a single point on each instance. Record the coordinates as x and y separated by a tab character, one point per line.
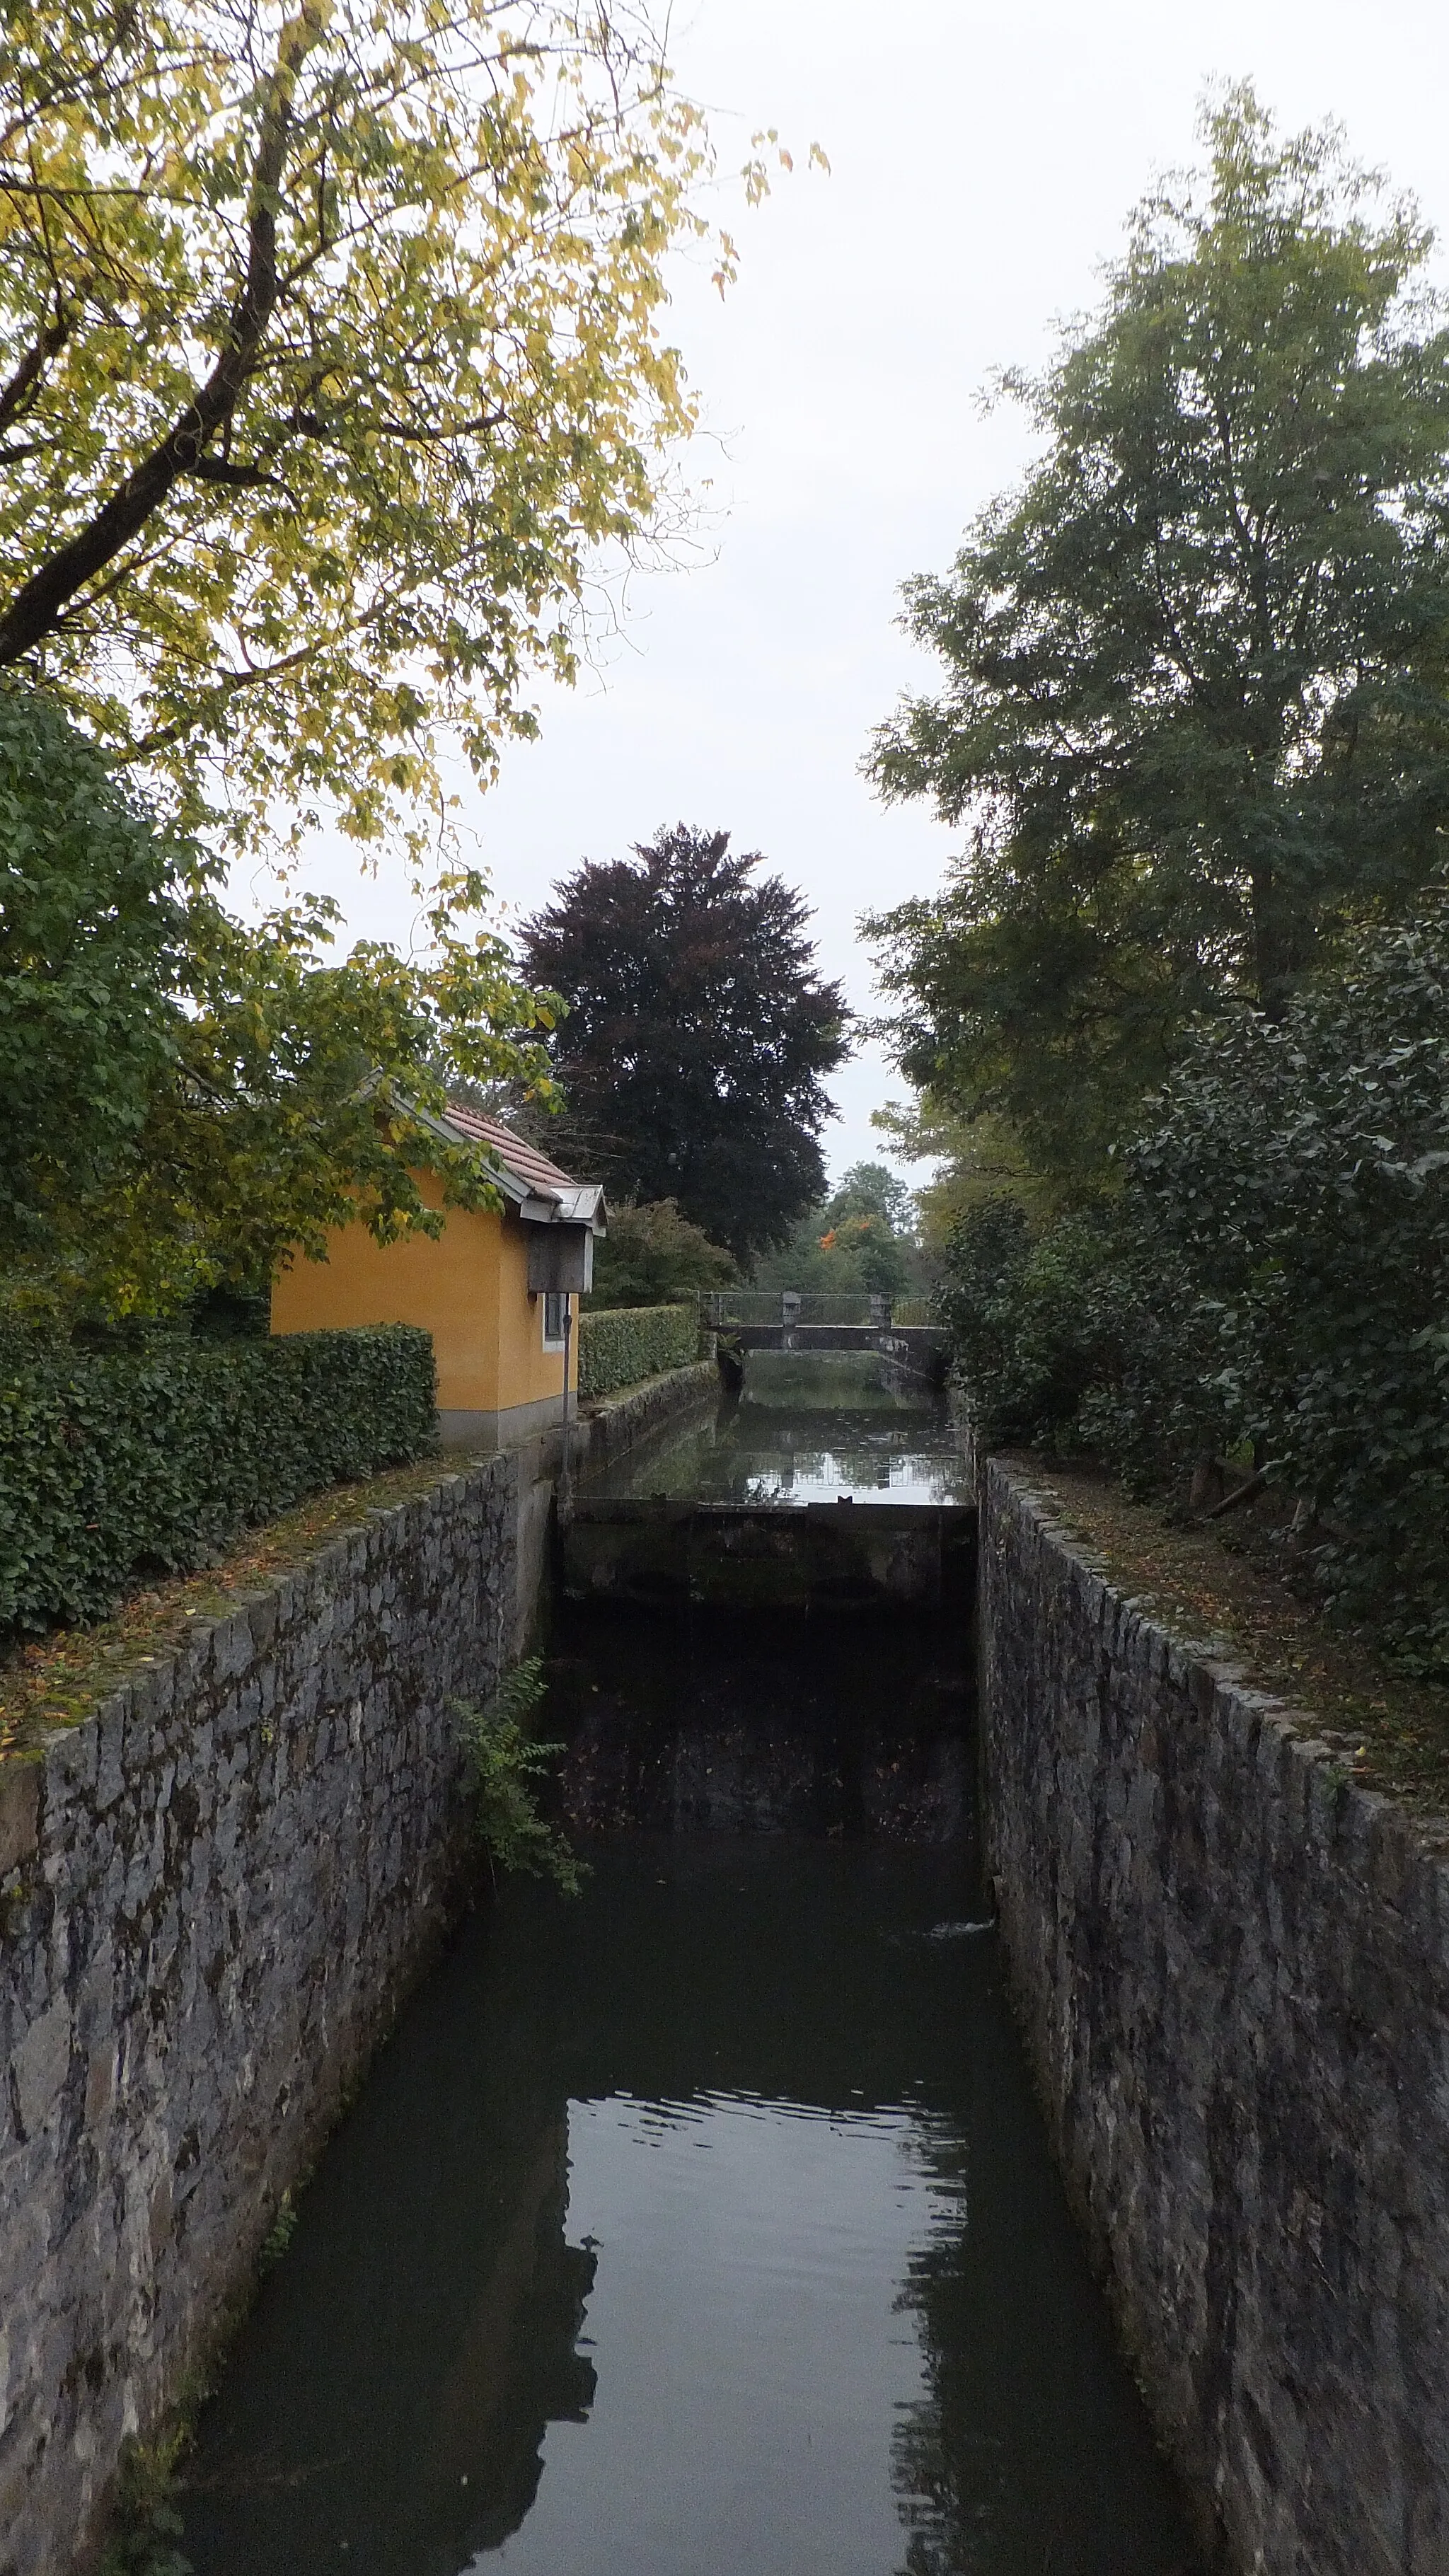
332	347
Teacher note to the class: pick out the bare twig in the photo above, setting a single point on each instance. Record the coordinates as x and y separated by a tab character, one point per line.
1240	1494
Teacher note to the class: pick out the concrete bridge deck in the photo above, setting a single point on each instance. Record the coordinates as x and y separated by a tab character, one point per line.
923	1346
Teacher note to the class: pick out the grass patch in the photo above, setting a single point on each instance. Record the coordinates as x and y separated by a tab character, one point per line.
58	1680
1214	1584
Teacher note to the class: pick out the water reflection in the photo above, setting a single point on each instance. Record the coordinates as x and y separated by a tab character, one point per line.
862	1474
771	1454
389	2408
704	2225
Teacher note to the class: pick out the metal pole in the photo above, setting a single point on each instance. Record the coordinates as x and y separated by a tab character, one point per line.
564	1494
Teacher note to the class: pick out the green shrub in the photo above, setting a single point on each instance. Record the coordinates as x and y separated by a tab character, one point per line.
626	1343
1014	1309
653	1256
1272	1281
501	1764
1090	1334
1296	1173
150	1458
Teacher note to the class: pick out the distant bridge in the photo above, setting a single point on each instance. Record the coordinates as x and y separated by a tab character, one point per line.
759	1319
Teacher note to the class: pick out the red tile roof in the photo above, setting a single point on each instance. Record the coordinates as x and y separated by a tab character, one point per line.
522	1158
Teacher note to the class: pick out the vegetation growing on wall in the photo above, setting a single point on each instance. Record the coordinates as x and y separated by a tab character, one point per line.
146	2525
151	1457
623	1346
503	1765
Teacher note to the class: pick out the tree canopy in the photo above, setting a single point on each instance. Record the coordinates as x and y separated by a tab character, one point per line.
872	1189
652	1255
330	346
861	1237
867	1226
1194	714
188	1100
698	1032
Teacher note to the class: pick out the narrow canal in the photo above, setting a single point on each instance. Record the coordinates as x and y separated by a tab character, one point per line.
703	2226
806	1429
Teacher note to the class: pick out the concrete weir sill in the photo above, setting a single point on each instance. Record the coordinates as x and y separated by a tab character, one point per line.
1232	1967
213	1896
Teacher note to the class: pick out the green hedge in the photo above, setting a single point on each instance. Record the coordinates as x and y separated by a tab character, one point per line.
150	1459
623	1344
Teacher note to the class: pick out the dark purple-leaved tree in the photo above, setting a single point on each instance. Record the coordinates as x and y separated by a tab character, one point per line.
699	1033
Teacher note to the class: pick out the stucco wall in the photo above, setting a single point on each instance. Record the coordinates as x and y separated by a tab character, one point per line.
468	1287
213	1895
523	1362
1232	1968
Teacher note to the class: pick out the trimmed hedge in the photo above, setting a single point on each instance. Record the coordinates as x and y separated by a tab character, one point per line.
116	1463
623	1344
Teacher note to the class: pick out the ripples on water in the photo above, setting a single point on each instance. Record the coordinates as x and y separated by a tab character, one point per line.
702	2228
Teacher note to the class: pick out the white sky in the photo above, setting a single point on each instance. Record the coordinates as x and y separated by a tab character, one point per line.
983	162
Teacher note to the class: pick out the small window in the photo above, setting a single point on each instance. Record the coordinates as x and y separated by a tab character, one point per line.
555	1312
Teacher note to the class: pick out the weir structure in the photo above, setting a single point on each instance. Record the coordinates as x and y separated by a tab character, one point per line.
657	1553
759	1544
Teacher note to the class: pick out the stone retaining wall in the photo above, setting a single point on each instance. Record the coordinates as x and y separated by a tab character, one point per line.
214	1893
1232	1966
610	1424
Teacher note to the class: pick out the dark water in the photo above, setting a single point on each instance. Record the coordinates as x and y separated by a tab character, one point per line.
806	1430
709	1720
704	2227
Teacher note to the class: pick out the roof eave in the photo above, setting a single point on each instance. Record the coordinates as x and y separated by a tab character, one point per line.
582	1203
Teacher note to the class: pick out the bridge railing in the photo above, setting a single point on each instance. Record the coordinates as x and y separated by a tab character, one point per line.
721	1307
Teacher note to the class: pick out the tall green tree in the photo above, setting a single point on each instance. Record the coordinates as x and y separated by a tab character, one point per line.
861	1237
698	1034
1194	712
93	927
974	1158
873	1189
330	347
188	1101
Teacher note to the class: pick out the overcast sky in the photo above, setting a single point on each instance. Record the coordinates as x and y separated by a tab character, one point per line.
983	162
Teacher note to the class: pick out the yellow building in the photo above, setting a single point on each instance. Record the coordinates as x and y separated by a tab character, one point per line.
498	1289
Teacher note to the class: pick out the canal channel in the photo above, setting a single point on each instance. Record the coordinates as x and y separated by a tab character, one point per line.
704	2225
